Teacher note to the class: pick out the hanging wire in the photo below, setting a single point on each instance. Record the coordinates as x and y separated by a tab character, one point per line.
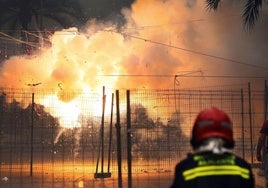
183	49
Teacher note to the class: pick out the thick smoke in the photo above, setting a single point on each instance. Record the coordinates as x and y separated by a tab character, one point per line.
159	38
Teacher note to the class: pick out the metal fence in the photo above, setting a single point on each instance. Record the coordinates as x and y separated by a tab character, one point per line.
129	138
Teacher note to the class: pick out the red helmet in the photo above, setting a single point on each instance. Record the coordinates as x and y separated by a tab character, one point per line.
212	123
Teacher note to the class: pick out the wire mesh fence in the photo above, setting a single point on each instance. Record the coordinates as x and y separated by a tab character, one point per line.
74	139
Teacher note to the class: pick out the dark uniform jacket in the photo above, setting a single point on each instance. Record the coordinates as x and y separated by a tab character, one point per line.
264	130
208	170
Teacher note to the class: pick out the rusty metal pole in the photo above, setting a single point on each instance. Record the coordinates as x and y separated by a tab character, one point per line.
31	150
265	99
118	133
110	134
250	121
129	142
242	123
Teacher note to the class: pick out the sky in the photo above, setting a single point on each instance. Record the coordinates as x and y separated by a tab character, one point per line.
161	43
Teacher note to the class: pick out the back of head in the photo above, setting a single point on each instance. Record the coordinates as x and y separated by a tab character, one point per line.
212	123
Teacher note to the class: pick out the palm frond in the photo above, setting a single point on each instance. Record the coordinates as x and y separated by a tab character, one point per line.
251	13
212	4
68	12
18	17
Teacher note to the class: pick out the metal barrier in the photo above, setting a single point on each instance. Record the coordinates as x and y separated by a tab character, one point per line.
63	139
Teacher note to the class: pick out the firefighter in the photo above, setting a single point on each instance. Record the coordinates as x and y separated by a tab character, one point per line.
213	164
261	151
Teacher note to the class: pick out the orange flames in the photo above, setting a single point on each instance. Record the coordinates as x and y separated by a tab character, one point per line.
101	55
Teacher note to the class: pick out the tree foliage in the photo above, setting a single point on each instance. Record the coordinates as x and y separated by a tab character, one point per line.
250	14
18	18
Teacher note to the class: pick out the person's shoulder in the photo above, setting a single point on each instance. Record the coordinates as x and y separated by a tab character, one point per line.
240	161
188	160
189	157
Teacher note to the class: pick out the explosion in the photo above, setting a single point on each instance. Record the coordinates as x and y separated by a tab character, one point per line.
152	43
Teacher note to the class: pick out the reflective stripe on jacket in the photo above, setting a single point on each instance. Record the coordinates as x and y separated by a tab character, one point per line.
213	170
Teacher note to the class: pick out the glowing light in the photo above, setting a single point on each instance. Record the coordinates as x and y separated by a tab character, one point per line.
66	112
81	184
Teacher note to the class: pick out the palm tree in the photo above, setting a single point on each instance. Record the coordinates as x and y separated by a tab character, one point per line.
20	17
250	14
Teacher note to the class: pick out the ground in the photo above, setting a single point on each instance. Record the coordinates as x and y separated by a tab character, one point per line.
77	179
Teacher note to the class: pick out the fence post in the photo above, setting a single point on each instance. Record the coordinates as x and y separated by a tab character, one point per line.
250	121
265	99
129	143
242	122
118	133
32	120
110	134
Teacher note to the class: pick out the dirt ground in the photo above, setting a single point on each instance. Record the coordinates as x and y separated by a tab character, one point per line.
86	180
